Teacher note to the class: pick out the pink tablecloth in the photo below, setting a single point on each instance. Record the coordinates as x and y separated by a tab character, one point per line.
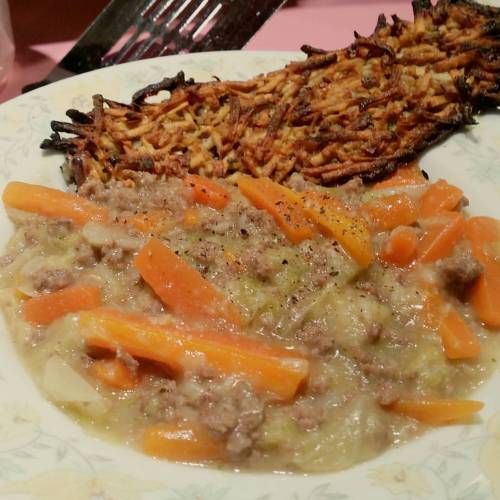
322	23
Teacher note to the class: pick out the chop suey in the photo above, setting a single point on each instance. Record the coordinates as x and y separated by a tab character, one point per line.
207	295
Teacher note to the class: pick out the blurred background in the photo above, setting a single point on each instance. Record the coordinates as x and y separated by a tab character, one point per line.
45	30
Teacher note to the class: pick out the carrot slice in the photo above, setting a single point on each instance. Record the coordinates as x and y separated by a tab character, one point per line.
283	205
459	341
485	297
270	369
438	241
323	201
483	233
207	192
334	221
151	221
392	211
401	247
185	442
436	411
114	373
44	309
191	217
440	197
434	306
180	287
50	202
404	176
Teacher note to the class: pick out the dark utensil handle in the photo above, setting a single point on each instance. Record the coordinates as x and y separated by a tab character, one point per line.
35	85
56	74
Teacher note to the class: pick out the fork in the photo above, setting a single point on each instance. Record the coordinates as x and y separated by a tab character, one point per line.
128	30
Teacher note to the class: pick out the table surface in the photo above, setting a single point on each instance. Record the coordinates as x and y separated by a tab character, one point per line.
45	31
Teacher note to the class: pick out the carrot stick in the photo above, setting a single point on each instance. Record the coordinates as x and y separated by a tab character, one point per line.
151	221
180	287
323	201
404	176
438	241
281	203
44	309
485	297
459	341
186	442
392	211
207	192
401	247
114	373
50	202
334	221
436	411
440	197
483	233
434	306
270	369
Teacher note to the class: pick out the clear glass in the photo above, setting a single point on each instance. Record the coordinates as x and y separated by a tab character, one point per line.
6	41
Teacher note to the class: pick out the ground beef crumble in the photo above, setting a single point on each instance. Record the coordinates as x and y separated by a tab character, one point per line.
316	336
460	270
60	228
237	413
307	414
205	251
52	280
160	399
85	255
115	256
257	263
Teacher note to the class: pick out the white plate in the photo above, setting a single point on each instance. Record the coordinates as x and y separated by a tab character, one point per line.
45	456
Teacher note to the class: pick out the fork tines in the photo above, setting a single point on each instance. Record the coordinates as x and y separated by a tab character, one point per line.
176	26
127	30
